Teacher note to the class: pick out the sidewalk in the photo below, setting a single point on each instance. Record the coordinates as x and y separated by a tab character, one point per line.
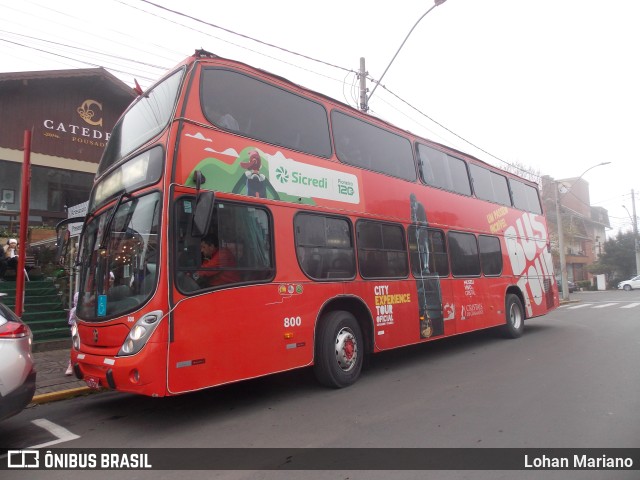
51	382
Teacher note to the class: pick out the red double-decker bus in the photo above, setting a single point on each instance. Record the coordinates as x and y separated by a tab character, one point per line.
241	225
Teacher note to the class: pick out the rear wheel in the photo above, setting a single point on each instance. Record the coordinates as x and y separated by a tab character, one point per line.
339	350
515	317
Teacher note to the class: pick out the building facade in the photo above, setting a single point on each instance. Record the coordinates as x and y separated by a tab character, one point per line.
70	114
584	226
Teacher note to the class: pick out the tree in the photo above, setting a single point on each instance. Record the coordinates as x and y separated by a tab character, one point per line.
527	172
618	261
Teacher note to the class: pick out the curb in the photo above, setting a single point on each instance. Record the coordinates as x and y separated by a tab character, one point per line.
568	302
61	395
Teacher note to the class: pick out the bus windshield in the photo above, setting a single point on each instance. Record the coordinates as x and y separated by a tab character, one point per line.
119	258
143	121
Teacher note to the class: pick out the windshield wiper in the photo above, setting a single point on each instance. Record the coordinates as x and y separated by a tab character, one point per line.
107	227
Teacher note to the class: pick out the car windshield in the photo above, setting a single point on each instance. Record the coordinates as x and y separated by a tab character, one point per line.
119	258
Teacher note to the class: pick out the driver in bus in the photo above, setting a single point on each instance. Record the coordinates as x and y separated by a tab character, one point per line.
215	262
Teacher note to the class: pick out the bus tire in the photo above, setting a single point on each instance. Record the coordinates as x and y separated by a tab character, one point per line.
514	313
339	350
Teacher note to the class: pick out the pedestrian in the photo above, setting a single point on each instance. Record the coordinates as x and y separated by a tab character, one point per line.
9	256
72	321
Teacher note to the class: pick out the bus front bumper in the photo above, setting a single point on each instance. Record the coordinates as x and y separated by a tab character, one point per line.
143	373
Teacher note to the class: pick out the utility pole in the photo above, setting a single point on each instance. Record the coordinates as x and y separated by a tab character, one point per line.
636	244
364	105
563	263
363	89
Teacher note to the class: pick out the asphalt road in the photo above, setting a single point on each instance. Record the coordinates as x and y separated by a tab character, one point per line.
572	381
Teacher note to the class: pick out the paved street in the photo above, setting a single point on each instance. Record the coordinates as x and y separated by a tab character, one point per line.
570	382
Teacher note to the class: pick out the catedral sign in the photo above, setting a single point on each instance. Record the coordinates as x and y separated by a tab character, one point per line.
90	112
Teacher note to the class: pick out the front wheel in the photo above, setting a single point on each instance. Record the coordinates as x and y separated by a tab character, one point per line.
627	288
339	350
514	316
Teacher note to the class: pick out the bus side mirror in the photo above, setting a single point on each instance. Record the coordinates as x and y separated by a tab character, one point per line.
202	214
198	178
63	236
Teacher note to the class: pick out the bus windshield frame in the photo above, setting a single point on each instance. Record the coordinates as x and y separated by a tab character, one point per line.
145	119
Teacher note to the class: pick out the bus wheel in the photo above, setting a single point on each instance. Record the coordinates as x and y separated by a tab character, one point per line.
339	350
515	317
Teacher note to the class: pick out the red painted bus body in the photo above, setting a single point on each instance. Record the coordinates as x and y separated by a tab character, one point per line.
327	256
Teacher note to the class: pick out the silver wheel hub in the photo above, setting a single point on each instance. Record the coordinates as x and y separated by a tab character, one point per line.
515	315
346	349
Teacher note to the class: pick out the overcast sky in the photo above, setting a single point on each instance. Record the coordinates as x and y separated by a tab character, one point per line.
550	85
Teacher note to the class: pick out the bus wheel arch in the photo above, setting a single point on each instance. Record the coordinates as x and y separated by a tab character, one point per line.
514	314
343	338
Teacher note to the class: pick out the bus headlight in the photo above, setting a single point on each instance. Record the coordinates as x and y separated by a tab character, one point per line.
137	332
140	333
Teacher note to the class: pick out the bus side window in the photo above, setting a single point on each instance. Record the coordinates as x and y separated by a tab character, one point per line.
443	171
324	246
382	251
490	255
428	252
237	247
465	260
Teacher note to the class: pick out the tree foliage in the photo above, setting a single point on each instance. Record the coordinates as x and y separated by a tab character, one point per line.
524	171
618	260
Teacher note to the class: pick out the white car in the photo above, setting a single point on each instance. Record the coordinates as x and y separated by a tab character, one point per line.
630	284
17	373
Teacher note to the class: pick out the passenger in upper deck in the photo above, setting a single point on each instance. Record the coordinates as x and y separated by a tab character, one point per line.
223	120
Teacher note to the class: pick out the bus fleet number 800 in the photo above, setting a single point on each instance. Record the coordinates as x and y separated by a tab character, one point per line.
292	322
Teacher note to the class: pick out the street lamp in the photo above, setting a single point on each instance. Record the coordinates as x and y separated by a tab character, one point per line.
563	263
435	4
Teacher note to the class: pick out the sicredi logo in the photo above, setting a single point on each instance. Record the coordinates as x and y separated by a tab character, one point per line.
300	179
282	175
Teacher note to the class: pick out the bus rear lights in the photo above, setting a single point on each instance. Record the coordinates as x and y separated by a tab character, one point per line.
288	335
140	333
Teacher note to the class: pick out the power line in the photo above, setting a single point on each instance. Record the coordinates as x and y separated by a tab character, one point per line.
528	172
248	37
414	120
236	44
80	21
349	71
68	58
117	57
